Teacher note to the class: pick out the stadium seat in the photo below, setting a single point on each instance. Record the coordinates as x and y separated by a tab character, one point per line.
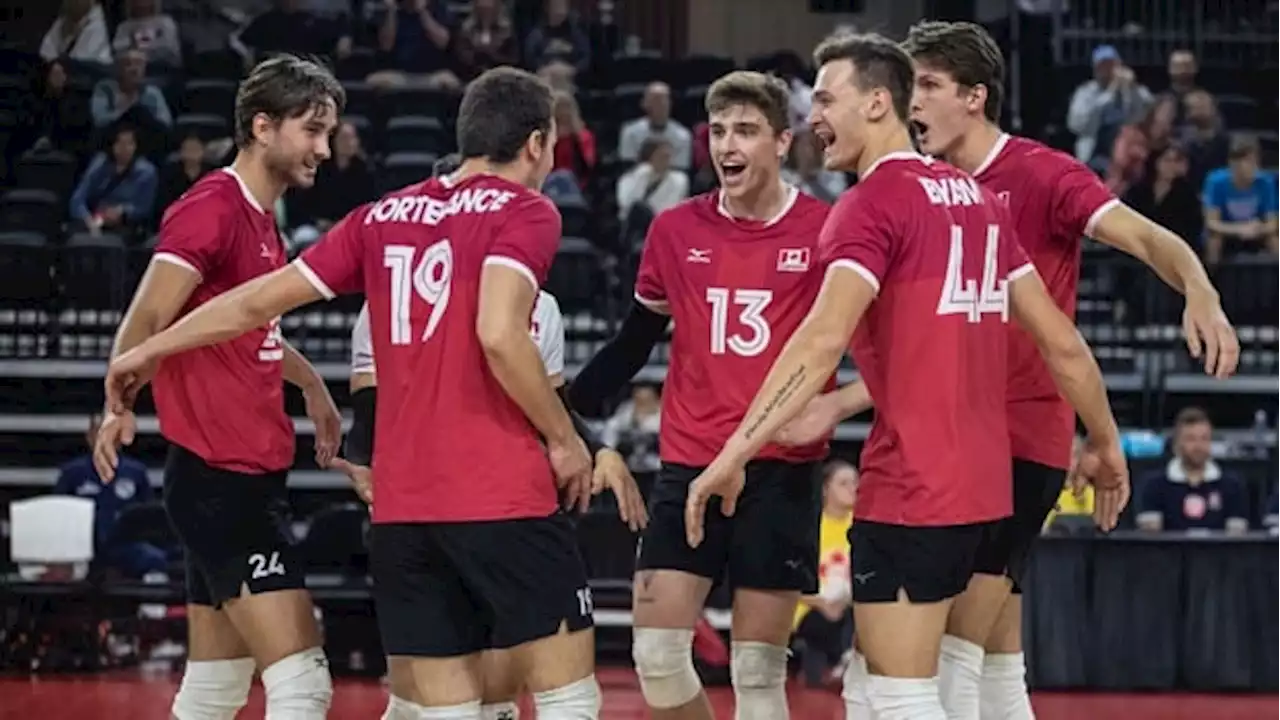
359	99
206	127
575	218
25	264
53	171
641	68
575	277
38	211
360	64
12	89
145	522
397	102
1238	111
93	272
1270	147
416	134
626	103
690	106
400	169
336	540
208	97
701	69
223	64
368	140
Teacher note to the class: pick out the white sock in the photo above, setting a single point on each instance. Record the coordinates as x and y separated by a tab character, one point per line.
213	689
578	700
759	673
857	706
298	687
905	698
960	677
500	711
1004	688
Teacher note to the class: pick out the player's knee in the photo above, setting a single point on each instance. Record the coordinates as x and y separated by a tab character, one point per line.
759	673
578	700
298	687
500	711
895	698
664	663
213	689
400	709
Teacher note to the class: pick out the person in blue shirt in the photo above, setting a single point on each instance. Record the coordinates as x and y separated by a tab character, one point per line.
130	487
117	193
1240	204
1192	492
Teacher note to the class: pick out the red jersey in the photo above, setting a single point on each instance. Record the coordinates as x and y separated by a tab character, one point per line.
452	446
1055	201
225	402
737	289
933	346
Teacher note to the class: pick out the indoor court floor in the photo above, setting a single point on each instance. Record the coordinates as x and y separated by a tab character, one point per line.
130	696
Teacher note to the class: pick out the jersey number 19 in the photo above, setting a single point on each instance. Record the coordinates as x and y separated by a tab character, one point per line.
429	280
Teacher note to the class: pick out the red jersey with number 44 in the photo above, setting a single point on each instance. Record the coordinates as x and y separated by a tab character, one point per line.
736	289
225	402
933	345
452	446
1055	202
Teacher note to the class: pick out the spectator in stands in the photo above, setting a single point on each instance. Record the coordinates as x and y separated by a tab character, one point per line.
79	33
1240	205
657	122
1168	198
558	38
130	487
178	177
117	192
575	143
414	37
153	32
129	99
343	182
1203	136
486	39
652	186
1128	159
1182	80
55	118
1160	128
1103	105
804	169
633	429
288	27
1073	508
560	76
824	622
1192	491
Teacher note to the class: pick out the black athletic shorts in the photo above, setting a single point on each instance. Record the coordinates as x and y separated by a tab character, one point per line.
453	589
931	563
233	527
1036	489
770	543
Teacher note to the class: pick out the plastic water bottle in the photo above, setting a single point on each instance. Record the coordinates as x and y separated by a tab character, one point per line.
1261	448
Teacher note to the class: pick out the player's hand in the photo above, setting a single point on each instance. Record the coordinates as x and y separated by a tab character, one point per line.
360	476
116	429
1210	336
718	480
126	376
1104	467
611	472
812	424
324	413
572	466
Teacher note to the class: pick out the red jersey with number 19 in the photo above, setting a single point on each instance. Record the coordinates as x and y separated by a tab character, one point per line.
737	289
1055	202
932	347
452	446
225	402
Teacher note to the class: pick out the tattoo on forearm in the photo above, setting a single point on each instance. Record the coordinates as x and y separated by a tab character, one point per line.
788	389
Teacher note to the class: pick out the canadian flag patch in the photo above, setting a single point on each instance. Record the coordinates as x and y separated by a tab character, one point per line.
793	260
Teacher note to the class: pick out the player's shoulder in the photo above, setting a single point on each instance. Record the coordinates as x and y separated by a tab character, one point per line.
214	197
1035	161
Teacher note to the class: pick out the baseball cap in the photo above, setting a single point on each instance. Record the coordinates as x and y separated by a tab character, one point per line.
1102	53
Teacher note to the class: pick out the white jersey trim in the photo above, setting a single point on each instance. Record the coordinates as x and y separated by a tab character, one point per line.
176	260
514	264
994	153
314	279
1092	225
659	306
857	267
244	189
1024	269
362	344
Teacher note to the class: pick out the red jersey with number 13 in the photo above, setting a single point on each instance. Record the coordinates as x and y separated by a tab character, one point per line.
1055	202
737	290
933	345
452	446
225	402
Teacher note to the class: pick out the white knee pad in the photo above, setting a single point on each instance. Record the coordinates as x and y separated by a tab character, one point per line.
500	711
576	701
857	706
1004	688
298	687
905	698
759	672
664	663
213	689
400	709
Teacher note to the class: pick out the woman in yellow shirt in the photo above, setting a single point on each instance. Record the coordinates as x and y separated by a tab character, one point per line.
824	622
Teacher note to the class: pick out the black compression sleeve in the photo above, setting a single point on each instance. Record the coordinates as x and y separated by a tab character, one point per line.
588	435
359	445
619	360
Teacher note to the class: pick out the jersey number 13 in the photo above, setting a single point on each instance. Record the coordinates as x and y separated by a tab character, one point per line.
750	305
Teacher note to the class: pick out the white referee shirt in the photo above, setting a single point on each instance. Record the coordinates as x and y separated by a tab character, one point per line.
547	330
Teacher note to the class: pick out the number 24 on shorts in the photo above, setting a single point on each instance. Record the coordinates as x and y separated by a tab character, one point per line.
266	565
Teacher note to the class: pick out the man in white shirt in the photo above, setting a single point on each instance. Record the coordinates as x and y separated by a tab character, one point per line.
657	121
